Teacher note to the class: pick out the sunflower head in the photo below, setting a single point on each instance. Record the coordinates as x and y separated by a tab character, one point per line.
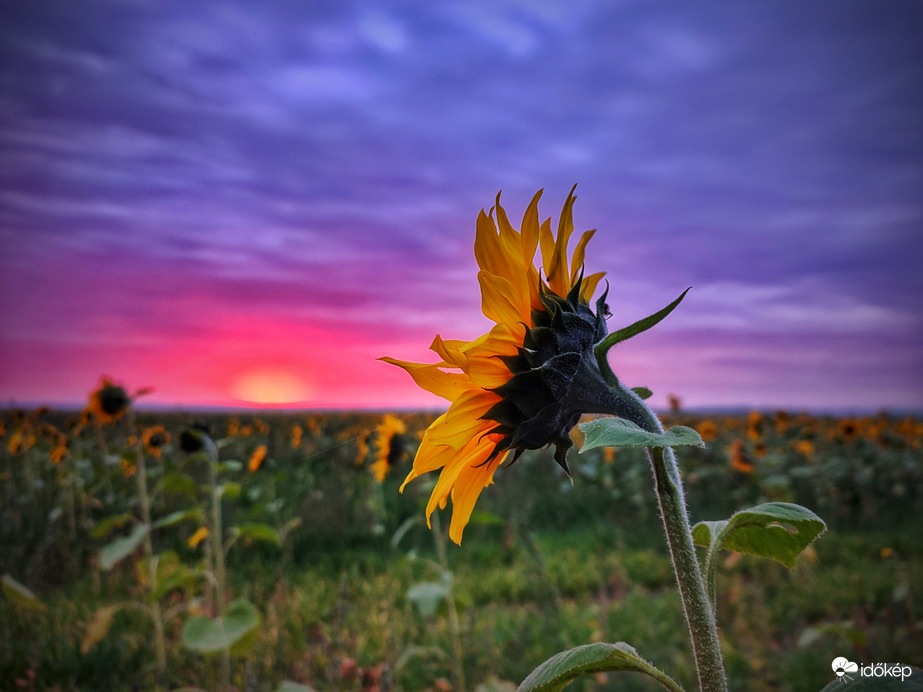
154	438
554	376
110	402
390	446
196	437
524	383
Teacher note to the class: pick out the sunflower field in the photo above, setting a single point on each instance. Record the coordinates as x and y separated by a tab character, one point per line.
273	551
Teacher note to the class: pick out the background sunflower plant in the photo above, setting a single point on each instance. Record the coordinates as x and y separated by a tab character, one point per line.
526	383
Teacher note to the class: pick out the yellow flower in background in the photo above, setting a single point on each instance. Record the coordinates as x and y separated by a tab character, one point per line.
389	446
783	419
502	399
200	535
153	439
128	467
738	458
805	448
21	440
848	429
108	403
256	459
362	448
297	432
755	425
708	430
59	452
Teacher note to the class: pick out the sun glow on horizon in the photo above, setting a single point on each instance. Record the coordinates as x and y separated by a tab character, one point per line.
271	387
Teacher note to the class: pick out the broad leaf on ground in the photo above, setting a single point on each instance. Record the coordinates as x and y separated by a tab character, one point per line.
19	595
777	530
561	669
121	548
210	635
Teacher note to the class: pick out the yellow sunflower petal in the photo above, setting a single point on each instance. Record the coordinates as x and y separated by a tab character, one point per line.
465	492
558	279
589	286
486	369
576	263
473	456
510	238
546	240
501	302
530	228
487	249
448	385
452	351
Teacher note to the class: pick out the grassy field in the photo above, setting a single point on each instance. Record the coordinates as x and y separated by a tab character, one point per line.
353	592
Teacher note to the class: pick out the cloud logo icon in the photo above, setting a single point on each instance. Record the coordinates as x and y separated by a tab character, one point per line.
842	666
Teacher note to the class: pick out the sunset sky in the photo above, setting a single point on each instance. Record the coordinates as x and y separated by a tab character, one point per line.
240	203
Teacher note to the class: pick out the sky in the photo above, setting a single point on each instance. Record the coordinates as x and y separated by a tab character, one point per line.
242	203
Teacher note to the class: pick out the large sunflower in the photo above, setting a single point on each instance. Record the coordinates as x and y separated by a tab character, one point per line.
523	384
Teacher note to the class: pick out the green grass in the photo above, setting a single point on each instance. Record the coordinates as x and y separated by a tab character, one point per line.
514	612
561	565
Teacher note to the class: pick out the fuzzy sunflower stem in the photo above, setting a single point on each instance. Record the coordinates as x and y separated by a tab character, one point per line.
700	617
458	671
217	542
148	547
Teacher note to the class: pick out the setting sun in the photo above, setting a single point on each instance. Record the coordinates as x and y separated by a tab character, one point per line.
270	387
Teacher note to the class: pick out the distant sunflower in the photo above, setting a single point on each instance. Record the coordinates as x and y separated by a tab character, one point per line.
108	403
154	438
389	446
256	459
525	383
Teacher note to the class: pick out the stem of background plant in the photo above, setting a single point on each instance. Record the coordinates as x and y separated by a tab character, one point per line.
458	671
700	617
148	547
217	543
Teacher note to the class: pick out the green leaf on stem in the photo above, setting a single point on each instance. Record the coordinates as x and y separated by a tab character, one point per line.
210	635
19	595
194	514
631	330
98	627
618	432
230	490
259	532
120	548
563	668
643	392
777	530
402	530
180	484
428	596
106	526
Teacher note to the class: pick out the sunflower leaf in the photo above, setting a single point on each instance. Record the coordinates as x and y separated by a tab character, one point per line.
561	669
618	432
631	330
643	392
210	635
19	595
120	548
777	530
